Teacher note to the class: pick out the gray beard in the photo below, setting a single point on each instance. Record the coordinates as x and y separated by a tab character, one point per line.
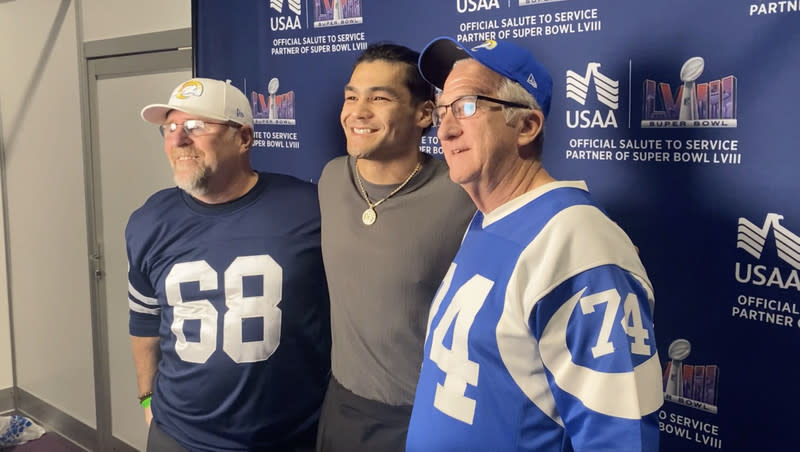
196	185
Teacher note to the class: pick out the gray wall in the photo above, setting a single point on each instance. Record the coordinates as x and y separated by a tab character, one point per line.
45	310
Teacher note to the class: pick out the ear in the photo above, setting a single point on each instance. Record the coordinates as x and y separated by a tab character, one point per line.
424	112
246	134
530	127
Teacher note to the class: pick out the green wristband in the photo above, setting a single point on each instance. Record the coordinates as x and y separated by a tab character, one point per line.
146	402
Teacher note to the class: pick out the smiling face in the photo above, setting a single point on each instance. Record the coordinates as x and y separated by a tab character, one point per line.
200	163
380	119
481	149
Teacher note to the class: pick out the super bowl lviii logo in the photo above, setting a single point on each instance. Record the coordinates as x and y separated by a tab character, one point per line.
330	13
536	2
694	103
273	108
690	384
755	241
290	21
606	98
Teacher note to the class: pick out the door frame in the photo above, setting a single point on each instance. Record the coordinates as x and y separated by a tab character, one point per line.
118	57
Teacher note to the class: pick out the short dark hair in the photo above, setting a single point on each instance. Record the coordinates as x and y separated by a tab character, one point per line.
394	53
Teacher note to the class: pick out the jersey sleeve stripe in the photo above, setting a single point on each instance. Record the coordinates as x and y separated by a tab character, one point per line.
649	289
563	253
137	306
518	349
616	398
141	299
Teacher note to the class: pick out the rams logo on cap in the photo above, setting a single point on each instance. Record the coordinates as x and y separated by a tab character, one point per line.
190	88
489	44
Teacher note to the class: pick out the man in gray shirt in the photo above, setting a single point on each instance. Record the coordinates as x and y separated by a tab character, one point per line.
391	223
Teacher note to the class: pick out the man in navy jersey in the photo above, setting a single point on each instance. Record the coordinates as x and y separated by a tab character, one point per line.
540	336
228	302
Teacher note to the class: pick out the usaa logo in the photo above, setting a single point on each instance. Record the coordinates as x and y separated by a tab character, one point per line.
283	23
470	6
606	91
753	239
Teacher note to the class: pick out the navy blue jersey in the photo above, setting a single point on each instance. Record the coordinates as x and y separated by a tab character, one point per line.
541	336
237	295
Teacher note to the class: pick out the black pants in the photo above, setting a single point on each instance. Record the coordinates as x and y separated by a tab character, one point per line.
158	441
350	423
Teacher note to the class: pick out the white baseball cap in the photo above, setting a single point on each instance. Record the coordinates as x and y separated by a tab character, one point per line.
209	98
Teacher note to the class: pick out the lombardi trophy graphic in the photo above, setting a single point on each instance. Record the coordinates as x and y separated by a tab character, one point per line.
337	9
678	350
272	88
690	71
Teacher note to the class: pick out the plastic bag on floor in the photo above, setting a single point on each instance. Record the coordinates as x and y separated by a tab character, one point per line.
16	430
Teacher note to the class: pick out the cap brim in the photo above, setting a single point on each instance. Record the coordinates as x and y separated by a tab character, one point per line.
156	113
437	58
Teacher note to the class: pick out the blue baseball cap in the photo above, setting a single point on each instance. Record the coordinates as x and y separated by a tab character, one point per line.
504	57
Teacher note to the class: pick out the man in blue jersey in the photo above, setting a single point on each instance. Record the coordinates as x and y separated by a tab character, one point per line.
540	336
228	302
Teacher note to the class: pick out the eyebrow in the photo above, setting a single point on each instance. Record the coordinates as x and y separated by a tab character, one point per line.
374	89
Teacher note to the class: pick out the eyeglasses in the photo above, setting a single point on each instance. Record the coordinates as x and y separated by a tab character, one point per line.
192	127
466	106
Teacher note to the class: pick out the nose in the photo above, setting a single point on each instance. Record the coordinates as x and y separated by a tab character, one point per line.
449	127
360	109
177	138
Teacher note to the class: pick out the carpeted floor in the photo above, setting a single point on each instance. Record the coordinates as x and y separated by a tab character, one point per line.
49	442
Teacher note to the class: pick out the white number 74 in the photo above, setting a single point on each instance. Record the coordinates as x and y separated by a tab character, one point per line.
631	321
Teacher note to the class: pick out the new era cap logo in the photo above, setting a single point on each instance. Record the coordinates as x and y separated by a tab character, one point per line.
190	88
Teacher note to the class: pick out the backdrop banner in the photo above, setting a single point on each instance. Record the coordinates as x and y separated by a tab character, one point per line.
679	115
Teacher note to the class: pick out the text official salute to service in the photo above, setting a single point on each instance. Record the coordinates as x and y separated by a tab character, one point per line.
228	303
540	336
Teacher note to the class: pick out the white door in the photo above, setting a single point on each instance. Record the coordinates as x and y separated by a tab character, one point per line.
129	166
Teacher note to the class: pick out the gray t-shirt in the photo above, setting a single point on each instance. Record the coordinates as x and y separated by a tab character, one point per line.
382	278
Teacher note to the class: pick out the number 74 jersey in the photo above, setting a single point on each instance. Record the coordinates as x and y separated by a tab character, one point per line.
540	336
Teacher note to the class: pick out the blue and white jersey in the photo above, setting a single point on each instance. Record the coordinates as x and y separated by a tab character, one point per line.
237	295
540	336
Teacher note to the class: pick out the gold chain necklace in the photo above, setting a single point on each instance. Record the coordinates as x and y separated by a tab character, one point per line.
369	216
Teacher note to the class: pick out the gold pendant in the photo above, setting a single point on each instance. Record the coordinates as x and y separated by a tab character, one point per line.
369	216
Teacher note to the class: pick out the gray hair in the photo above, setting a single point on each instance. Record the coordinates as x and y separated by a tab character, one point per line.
512	91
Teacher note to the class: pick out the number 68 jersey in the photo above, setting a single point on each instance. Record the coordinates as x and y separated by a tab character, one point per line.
540	336
236	294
